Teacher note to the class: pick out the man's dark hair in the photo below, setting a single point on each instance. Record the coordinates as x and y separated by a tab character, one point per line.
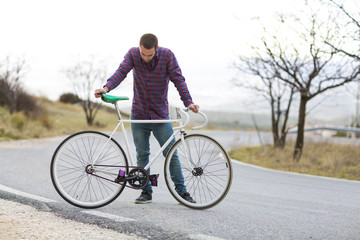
149	41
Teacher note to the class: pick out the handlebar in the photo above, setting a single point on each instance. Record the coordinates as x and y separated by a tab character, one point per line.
205	121
187	119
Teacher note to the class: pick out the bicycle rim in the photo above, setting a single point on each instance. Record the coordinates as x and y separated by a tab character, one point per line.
206	169
70	169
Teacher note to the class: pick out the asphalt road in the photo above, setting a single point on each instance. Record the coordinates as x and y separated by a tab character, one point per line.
262	203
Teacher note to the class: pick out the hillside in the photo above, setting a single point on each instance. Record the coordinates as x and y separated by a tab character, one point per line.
59	119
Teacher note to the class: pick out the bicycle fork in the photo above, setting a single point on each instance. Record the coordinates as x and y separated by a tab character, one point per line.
188	157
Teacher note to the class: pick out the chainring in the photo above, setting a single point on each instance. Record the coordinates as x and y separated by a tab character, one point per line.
138	178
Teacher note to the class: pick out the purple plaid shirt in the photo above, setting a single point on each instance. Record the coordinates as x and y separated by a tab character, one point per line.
151	82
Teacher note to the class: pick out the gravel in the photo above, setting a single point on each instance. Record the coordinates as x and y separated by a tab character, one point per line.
19	221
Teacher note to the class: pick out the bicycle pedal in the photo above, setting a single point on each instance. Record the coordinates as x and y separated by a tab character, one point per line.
154	179
120	177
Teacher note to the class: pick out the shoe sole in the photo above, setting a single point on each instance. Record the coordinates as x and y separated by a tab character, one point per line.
143	202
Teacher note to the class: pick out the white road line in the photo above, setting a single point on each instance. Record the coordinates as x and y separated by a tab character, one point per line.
203	237
109	216
27	195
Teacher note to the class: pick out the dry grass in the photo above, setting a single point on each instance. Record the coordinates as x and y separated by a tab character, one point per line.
60	119
319	158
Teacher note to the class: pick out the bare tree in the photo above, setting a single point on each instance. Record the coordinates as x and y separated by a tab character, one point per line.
321	70
276	92
350	31
85	77
308	66
11	74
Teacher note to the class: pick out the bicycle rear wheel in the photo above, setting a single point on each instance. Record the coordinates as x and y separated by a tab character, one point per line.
74	177
206	168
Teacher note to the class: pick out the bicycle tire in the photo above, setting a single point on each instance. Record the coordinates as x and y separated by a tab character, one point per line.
209	178
69	166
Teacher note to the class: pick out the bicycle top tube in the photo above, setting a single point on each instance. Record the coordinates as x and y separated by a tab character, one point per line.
114	99
179	121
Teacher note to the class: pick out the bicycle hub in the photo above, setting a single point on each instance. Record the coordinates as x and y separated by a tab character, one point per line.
89	169
198	171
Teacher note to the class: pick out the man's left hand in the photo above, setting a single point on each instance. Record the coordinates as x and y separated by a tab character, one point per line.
194	108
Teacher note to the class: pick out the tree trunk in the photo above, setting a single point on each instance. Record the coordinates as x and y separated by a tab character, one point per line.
275	130
275	124
86	111
282	141
300	132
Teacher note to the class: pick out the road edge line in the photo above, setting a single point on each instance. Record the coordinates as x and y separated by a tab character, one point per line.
26	195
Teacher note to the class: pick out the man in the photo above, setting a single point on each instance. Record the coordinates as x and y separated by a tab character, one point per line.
152	67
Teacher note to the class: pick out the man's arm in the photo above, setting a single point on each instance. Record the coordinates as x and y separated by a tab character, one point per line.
120	74
178	79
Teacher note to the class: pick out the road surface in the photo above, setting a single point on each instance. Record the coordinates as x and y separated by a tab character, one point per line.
262	203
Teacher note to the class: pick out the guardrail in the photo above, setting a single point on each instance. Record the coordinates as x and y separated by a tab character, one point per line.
337	129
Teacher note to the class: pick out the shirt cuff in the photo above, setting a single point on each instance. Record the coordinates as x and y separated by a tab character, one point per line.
106	85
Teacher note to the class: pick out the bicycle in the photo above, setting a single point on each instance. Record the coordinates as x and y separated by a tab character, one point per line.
90	169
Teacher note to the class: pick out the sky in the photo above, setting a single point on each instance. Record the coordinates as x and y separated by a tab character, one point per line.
206	37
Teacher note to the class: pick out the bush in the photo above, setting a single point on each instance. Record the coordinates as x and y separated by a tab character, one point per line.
18	120
15	99
28	104
69	98
4	89
45	121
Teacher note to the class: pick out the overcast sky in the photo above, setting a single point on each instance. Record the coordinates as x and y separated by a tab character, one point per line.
206	36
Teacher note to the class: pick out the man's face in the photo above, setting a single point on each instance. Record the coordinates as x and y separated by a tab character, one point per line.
147	54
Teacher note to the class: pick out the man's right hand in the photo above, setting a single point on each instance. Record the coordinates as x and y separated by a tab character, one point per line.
99	92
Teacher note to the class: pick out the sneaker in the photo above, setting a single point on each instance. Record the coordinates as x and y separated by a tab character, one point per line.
145	197
188	198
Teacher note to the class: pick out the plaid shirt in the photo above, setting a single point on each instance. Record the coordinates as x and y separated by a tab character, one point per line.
151	82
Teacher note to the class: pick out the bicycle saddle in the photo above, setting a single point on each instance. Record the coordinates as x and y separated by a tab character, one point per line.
112	99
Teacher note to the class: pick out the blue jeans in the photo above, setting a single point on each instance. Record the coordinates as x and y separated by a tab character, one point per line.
162	132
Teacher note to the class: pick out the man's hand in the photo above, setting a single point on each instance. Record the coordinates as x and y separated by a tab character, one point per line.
194	108
99	92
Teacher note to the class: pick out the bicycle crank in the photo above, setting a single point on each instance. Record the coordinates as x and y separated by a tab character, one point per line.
137	178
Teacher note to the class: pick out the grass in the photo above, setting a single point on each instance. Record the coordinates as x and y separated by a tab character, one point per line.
60	119
319	158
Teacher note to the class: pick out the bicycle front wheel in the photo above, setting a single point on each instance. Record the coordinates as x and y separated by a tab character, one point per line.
206	170
84	167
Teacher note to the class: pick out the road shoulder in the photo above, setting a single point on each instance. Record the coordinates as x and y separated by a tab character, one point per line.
21	221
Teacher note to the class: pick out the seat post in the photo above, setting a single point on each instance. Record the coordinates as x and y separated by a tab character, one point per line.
117	110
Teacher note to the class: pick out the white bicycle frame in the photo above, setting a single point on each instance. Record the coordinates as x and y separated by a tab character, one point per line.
177	130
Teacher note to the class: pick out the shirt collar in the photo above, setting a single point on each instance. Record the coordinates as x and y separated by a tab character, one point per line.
154	58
